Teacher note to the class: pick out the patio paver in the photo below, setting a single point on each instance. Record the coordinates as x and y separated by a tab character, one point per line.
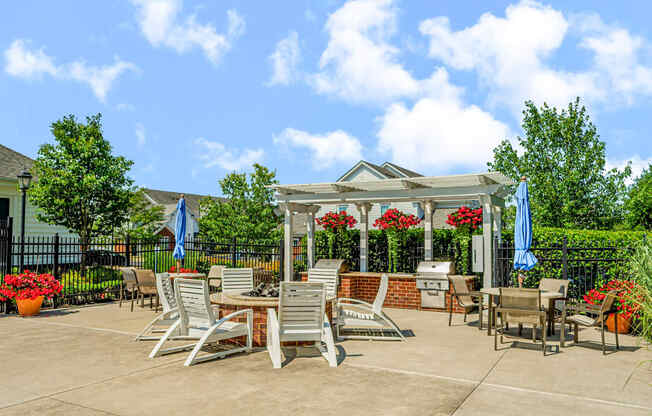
84	361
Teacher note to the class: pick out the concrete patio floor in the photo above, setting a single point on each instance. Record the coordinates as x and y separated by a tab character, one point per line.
84	362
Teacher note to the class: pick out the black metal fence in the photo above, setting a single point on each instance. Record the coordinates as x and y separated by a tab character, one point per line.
585	266
90	272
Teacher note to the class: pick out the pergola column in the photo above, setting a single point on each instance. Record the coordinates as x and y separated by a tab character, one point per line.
288	264
363	209
487	234
428	209
310	225
498	223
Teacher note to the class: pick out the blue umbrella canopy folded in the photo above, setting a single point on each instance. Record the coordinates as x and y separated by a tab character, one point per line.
180	230
523	257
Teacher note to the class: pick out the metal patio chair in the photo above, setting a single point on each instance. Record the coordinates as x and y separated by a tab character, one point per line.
129	284
521	306
600	315
147	286
465	299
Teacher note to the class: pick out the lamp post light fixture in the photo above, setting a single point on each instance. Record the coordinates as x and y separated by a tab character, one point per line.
24	181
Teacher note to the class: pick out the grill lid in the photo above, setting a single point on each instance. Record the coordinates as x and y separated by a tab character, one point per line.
338	264
431	268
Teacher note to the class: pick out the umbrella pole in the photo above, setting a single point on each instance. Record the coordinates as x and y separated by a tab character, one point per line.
521	278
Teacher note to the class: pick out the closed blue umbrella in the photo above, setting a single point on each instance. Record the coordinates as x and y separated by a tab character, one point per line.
523	257
180	231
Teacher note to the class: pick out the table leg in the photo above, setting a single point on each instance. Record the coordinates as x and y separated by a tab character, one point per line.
551	319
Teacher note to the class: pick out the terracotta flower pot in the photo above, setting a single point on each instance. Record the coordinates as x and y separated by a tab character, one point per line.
29	307
623	324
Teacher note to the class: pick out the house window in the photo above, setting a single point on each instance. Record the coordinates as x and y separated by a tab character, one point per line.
419	210
341	208
4	208
384	208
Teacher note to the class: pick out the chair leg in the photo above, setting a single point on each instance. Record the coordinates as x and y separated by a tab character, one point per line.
450	311
273	339
496	339
464	315
602	333
616	326
576	335
520	329
122	288
480	313
562	335
543	336
327	338
132	299
534	333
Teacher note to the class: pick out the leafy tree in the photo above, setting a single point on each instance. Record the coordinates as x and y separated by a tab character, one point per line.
564	161
144	218
81	185
638	203
248	211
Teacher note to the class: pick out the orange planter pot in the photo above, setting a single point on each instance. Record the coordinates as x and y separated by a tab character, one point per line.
29	307
623	324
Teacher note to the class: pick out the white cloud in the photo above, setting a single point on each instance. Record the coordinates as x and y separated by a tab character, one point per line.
216	154
637	163
439	135
160	23
33	64
141	136
125	107
360	65
512	56
284	60
325	149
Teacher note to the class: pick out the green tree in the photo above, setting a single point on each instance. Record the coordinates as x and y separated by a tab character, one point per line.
144	218
248	211
564	161
80	184
638	203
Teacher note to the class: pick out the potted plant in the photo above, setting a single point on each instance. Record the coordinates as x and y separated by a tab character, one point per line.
173	269
627	309
335	223
394	223
28	290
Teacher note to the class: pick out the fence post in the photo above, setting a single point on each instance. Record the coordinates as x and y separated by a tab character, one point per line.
128	251
281	259
233	252
55	270
10	245
564	257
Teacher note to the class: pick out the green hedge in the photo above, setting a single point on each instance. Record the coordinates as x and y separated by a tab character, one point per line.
346	246
592	254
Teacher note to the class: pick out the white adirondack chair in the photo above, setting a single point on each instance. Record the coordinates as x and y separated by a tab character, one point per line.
197	322
237	280
354	313
301	317
170	311
326	276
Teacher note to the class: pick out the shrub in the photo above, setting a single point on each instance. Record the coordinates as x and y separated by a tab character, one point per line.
641	267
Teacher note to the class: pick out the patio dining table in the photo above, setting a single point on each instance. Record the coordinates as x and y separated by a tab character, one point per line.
187	275
494	293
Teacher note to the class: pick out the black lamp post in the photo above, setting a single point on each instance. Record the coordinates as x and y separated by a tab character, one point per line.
24	180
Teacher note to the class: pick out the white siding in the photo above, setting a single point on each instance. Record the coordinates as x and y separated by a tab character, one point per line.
32	226
363	173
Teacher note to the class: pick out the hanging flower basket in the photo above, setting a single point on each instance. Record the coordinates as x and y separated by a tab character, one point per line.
335	223
394	223
29	289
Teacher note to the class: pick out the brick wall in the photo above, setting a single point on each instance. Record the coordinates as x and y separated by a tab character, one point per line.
402	292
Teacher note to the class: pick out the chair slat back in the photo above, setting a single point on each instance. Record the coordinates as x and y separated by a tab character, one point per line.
129	276
216	271
237	280
326	276
194	304
608	301
460	290
555	285
382	293
526	300
301	310
165	291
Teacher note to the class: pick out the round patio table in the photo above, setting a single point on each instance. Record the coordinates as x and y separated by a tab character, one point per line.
494	292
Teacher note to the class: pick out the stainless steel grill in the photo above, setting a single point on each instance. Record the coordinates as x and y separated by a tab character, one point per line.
432	281
338	264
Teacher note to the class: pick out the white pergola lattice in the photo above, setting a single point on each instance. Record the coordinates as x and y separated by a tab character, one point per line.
432	192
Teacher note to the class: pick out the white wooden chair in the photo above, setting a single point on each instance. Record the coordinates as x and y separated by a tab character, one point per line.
326	276
358	314
237	280
170	311
301	317
197	322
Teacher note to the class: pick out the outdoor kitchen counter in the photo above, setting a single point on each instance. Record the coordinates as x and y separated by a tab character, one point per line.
402	291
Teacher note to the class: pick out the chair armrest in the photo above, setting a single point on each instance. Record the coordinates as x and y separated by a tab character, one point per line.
582	307
353	302
249	312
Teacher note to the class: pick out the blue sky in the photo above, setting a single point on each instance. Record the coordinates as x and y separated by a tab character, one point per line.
193	90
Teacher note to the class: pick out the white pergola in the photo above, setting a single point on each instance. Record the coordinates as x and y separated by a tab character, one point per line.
432	192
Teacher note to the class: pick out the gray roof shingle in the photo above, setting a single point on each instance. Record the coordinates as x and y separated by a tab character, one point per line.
12	162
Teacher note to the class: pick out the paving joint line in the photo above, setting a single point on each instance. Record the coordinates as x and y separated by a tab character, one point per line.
114	331
84	407
479	383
